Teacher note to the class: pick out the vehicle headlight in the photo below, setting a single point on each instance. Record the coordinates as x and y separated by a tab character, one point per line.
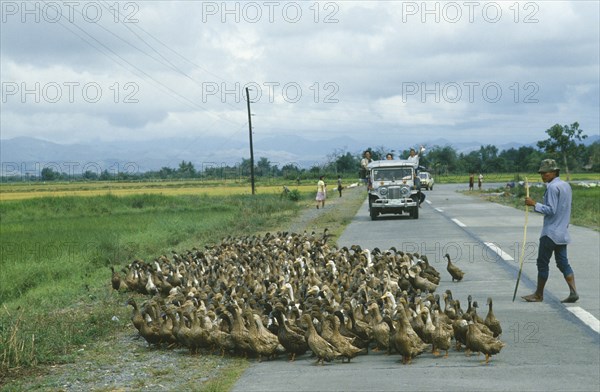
383	191
405	191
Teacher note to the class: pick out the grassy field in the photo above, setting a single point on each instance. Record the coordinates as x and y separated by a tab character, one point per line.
507	177
56	253
168	188
585	209
20	191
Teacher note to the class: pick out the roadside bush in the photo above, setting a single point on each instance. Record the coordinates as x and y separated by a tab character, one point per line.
293	195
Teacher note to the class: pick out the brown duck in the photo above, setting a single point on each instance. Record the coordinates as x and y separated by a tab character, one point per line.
419	282
359	327
441	336
136	316
263	341
322	349
239	332
453	270
198	336
358	341
460	327
221	337
404	339
341	343
380	330
477	341
117	282
150	331
491	321
293	342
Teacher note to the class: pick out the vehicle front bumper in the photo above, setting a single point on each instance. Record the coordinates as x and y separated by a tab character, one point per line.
394	203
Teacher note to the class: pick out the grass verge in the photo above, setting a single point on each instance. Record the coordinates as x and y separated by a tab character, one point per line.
56	253
585	208
506	177
338	213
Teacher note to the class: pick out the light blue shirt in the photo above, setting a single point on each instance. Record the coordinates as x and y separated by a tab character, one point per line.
557	211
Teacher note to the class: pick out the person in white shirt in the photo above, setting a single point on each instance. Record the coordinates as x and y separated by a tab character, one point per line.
321	192
413	157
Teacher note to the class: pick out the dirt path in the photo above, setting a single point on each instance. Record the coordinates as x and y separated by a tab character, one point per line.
311	218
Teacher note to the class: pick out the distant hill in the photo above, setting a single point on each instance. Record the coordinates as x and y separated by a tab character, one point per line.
591	140
23	155
29	155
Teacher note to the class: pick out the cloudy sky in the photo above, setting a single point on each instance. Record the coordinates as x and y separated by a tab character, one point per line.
494	72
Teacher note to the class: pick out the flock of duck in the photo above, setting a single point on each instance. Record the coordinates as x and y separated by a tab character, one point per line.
289	293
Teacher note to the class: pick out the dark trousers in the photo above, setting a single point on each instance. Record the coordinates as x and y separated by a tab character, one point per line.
547	247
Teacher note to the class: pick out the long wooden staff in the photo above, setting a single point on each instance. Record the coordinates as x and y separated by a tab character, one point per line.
522	256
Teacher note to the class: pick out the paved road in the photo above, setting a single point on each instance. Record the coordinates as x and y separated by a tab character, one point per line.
550	346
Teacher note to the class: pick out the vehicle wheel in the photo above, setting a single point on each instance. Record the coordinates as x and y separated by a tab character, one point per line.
373	212
415	213
431	188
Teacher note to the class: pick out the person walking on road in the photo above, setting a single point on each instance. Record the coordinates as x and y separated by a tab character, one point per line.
471	177
340	186
556	208
321	192
479	181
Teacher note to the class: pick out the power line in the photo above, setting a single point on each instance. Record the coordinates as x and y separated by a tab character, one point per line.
171	64
172	92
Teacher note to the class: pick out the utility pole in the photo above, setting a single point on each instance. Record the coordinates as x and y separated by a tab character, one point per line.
251	147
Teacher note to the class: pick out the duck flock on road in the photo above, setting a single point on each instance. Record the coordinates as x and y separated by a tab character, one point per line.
266	295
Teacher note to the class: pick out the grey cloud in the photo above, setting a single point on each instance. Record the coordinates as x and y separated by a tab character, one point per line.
369	54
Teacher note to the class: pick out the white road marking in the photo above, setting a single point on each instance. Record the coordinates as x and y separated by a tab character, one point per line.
496	249
427	201
438	209
586	317
458	222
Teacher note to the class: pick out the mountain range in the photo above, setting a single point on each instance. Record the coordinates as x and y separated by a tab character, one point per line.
26	155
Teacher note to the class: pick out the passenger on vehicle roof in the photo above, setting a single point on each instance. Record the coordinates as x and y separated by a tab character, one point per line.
414	157
363	167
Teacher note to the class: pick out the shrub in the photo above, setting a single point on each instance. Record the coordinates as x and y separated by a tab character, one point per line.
294	195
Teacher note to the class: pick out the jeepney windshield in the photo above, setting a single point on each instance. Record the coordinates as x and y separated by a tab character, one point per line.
393	174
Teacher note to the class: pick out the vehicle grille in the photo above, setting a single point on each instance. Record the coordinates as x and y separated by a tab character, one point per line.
394	192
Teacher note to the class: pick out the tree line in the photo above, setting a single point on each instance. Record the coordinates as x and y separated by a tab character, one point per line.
564	143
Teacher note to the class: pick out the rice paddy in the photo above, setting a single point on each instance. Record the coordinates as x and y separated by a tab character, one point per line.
168	188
